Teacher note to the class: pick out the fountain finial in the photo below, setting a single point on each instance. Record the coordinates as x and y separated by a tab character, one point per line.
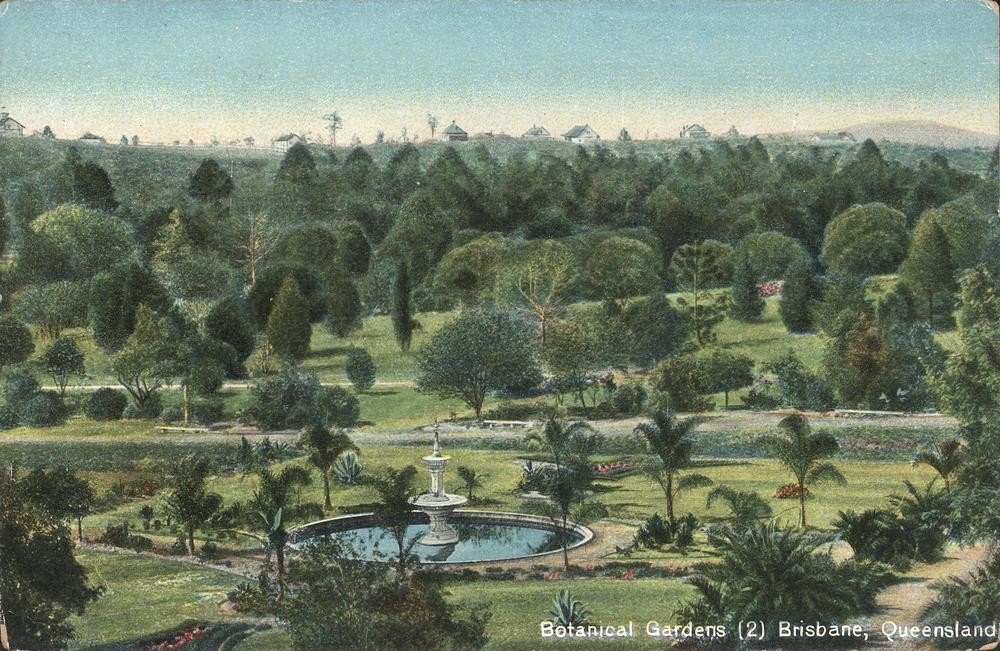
437	440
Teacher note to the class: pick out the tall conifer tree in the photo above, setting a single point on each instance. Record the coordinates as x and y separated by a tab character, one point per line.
402	318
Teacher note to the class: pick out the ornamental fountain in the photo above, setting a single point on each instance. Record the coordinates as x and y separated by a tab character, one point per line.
437	504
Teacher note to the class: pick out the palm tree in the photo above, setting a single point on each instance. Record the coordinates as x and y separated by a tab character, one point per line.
747	507
928	510
802	452
668	439
393	511
471	480
272	502
946	458
558	437
324	447
766	573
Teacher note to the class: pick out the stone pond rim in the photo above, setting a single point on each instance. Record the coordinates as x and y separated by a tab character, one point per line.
359	522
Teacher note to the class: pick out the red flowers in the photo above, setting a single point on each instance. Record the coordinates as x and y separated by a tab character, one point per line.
179	641
552	576
772	288
615	468
628	575
791	490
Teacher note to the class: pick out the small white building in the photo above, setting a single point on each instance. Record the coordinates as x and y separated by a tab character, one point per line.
9	126
581	134
91	139
454	133
287	141
695	132
537	133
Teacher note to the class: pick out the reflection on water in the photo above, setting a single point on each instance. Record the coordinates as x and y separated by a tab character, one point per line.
476	542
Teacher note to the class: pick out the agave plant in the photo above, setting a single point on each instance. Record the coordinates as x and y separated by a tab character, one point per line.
568	611
347	469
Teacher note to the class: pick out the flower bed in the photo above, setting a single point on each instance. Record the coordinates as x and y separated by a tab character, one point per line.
615	469
789	491
772	288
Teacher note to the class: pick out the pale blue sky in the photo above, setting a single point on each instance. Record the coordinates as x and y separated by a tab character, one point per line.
196	68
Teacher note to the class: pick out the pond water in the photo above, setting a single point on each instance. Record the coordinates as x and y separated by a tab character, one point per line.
476	542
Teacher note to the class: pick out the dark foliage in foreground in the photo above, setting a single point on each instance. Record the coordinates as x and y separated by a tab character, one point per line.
769	574
361	605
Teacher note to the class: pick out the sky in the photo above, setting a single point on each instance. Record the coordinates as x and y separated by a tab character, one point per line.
179	69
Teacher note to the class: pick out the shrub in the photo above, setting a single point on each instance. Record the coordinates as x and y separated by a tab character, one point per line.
539	479
106	404
685	529
172	414
121	536
43	409
654	533
206	411
680	384
763	395
360	369
295	399
149	410
179	546
769	574
16	344
338	406
19	386
210	549
969	600
628	398
799	388
8	417
877	535
508	410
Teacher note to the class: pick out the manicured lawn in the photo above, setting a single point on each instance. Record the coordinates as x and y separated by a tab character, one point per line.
633	497
145	595
518	608
329	353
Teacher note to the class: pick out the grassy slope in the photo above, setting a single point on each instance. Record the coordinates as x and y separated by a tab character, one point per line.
144	595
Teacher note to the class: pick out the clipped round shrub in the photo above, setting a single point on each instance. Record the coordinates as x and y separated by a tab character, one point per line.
360	369
149	410
172	414
207	410
19	386
106	404
8	417
339	406
43	409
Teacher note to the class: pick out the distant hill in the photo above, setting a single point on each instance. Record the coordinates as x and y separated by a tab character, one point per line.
921	132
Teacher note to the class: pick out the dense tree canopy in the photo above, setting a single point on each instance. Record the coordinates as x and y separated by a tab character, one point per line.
866	240
479	352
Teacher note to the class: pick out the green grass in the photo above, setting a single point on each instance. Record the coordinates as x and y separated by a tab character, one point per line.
764	341
518	608
269	641
328	353
144	595
633	497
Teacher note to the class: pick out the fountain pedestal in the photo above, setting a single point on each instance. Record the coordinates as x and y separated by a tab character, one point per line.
437	504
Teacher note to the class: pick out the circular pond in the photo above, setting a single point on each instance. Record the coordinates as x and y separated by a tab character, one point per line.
483	536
